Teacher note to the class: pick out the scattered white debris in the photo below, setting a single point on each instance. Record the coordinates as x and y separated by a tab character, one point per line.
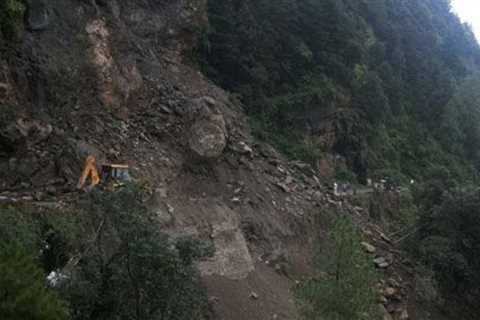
55	278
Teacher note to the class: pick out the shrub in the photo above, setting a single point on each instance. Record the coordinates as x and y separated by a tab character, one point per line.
448	242
19	229
130	270
347	290
116	262
11	17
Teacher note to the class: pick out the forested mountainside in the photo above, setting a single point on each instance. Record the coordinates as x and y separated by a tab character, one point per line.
392	86
233	125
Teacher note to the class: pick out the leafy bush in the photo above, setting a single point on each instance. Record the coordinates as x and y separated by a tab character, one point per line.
449	242
346	292
19	229
11	17
116	262
129	270
22	289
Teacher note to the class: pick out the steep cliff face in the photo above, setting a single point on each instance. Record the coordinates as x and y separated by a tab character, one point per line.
87	73
113	79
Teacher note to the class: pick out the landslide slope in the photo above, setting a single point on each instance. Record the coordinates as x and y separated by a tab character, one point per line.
114	79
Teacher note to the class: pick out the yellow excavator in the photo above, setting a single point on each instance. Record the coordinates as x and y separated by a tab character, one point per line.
114	174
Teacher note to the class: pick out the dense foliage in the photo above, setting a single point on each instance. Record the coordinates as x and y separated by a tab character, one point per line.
22	288
132	271
110	261
11	17
346	291
387	84
448	242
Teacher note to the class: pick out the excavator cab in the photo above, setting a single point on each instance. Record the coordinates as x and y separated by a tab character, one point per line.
115	172
111	175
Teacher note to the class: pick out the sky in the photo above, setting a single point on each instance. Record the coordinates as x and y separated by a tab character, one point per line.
469	11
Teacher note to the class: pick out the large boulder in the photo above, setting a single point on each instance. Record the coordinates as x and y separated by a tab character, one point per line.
21	133
208	134
384	313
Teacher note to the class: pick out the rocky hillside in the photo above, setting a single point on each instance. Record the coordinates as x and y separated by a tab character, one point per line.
114	79
120	80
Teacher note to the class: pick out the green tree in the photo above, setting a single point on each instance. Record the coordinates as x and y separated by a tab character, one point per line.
131	270
347	291
11	17
372	100
393	66
22	289
448	241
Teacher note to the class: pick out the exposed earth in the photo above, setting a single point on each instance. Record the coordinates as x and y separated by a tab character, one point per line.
114	79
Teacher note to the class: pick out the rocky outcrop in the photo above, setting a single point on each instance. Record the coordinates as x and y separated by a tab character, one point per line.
208	134
232	257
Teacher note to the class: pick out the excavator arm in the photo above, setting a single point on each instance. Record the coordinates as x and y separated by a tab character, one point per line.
89	170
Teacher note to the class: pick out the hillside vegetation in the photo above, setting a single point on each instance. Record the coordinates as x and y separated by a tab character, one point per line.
197	98
107	259
392	86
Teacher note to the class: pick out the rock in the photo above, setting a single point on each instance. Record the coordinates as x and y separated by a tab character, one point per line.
244	148
389	292
384	313
404	315
235	200
367	232
385	238
301	165
254	295
130	79
4	90
383	300
51	190
381	263
165	109
39	196
208	136
288	179
23	132
391	308
392	282
278	268
283	186
161	192
209	101
368	247
317	196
